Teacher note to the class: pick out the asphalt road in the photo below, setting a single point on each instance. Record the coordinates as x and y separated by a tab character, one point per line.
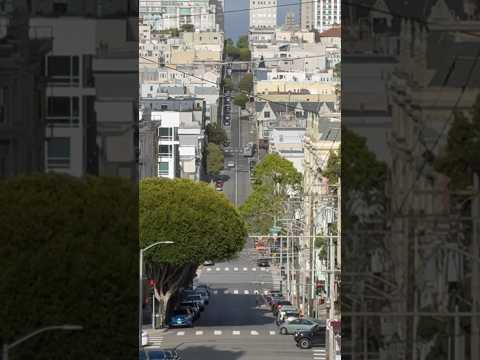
236	325
237	187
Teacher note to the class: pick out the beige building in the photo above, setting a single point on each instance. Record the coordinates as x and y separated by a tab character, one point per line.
264	87
307	14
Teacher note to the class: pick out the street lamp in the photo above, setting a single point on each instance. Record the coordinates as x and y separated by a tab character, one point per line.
7	347
140	288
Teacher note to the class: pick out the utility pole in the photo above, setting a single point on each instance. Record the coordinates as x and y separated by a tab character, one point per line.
331	316
475	338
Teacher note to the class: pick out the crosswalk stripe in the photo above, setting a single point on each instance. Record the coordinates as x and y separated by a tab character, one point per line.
235	291
215	292
236	332
265	292
262	269
199	332
235	269
209	269
226	292
254	269
217	332
253	332
245	269
180	333
246	292
217	269
272	332
226	269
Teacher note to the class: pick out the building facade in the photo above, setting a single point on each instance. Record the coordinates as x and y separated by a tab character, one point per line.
263	14
326	14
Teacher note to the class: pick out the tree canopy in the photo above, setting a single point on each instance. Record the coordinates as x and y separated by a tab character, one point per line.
228	84
461	156
215	159
216	134
332	170
202	223
246	83
69	255
242	42
240	100
266	200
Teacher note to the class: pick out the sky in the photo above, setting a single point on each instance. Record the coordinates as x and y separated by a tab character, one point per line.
236	23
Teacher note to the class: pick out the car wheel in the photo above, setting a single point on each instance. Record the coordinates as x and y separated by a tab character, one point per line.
305	344
283	331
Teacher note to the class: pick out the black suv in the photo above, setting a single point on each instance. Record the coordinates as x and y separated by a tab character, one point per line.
313	337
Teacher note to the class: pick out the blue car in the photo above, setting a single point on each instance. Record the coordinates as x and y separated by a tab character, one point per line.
181	317
158	354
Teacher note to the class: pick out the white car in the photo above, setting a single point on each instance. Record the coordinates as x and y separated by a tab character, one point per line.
144	338
231	164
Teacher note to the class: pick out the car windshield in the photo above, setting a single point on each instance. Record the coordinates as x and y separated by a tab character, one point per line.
181	312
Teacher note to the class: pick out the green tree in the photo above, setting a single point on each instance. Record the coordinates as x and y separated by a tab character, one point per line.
187	28
202	223
332	170
242	42
460	158
216	134
215	159
240	100
244	54
227	84
273	176
246	83
69	255
229	42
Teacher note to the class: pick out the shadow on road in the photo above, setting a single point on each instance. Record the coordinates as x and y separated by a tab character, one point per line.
235	310
208	352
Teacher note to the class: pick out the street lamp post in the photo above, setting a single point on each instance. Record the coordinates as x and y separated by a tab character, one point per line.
140	288
7	347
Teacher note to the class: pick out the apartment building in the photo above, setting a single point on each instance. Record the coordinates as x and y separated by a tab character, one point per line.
22	97
263	14
173	14
326	14
307	15
181	136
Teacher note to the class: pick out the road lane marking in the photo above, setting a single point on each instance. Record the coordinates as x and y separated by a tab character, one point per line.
226	269
253	332
262	269
199	332
245	269
209	269
225	291
255	292
265	292
235	291
235	269
246	292
254	269
180	333
236	332
217	332
218	269
272	332
215	292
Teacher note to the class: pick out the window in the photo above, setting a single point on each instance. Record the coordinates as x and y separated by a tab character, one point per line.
3	104
298	113
58	153
266	114
165	150
163	168
63	111
63	70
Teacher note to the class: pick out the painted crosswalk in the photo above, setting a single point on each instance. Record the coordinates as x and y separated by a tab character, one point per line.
155	339
239	292
319	354
217	332
234	269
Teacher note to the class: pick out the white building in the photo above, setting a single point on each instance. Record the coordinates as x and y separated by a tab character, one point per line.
327	13
288	143
167	14
263	14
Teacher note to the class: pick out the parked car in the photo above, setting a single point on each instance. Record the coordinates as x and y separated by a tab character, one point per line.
231	164
204	294
158	354
316	336
263	263
296	325
194	312
192	305
278	305
197	299
226	122
205	287
181	317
